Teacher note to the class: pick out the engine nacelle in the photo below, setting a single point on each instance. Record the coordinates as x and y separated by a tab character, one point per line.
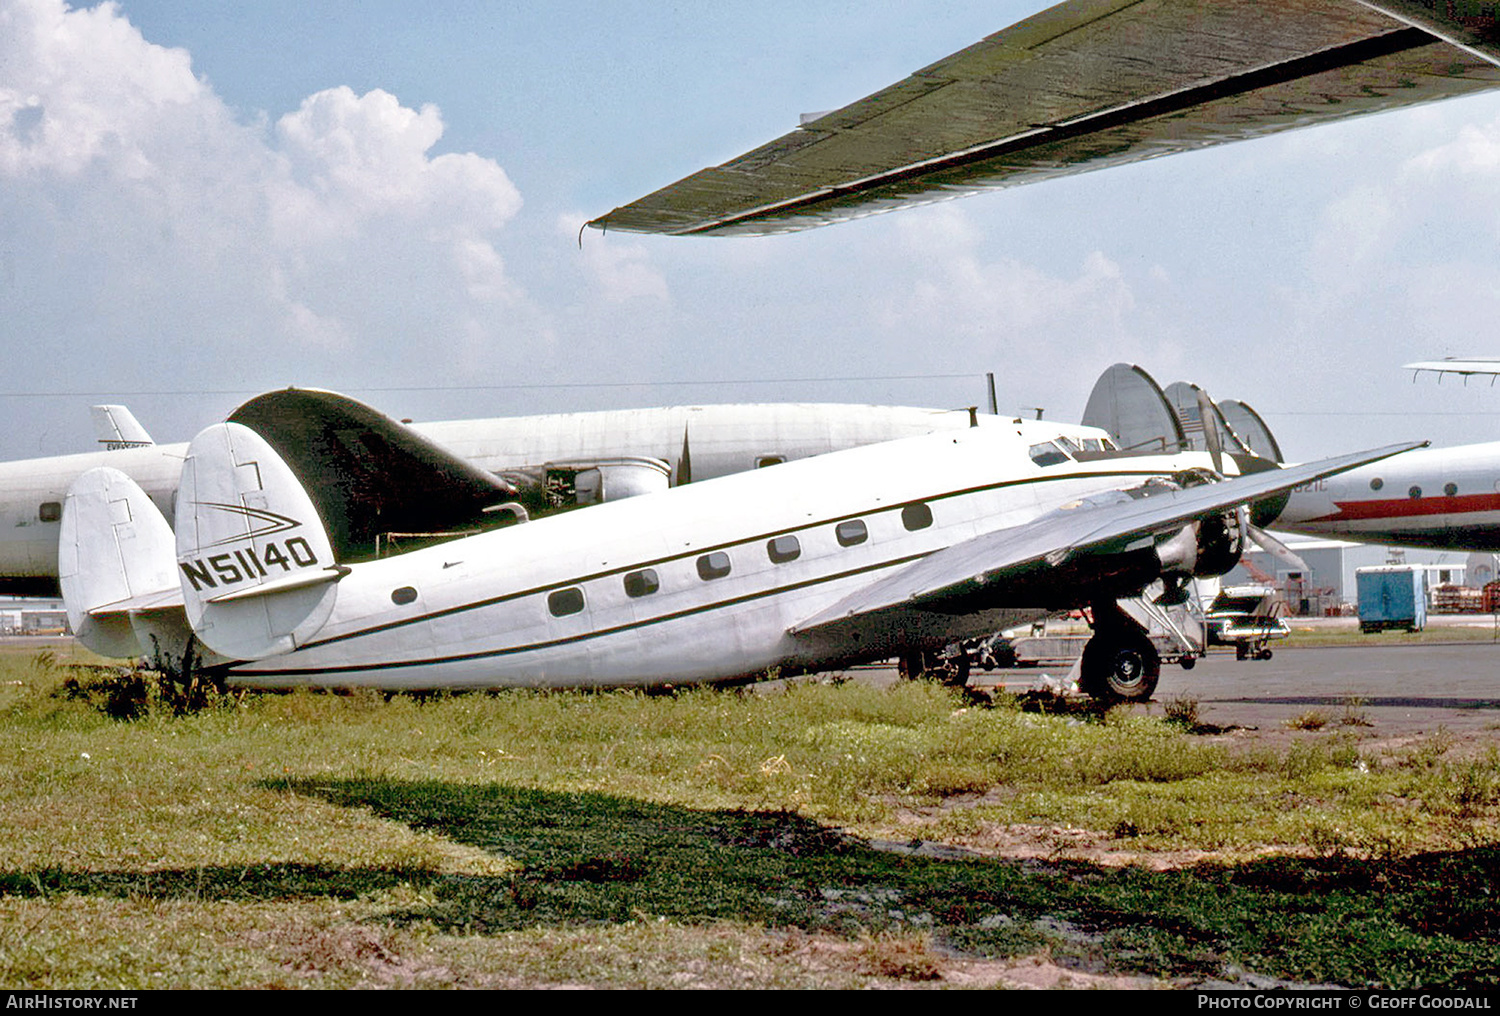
1206	548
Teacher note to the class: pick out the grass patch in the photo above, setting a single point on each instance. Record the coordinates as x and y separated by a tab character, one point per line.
1327	635
710	839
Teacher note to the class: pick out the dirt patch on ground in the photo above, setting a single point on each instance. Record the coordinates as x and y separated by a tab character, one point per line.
1047	844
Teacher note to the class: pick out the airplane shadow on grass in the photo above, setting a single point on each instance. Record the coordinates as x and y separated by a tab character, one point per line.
586	859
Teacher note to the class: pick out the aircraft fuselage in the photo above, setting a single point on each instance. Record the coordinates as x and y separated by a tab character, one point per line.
1445	498
703	583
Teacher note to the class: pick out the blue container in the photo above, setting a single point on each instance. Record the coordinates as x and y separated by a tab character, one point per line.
1392	596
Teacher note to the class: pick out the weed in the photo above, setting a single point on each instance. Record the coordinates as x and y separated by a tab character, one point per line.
117	692
129	693
898	957
1354	714
1429	751
1182	711
1327	841
1313	719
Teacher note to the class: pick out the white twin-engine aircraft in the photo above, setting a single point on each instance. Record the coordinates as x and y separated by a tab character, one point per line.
852	556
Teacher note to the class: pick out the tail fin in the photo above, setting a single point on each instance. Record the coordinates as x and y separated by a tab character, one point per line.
117	427
256	566
115	554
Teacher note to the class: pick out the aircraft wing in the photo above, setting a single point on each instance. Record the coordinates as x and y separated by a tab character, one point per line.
1028	564
1483	366
1085	85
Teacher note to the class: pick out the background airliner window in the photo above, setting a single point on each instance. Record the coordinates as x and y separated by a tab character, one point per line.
713	566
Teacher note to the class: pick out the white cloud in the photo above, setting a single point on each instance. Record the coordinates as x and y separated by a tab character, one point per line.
76	86
354	157
149	212
1005	299
1475	151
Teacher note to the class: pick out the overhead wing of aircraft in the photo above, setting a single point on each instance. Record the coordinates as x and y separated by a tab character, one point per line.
1085	85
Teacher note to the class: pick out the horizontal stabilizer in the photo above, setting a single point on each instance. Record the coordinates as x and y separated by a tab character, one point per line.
257	570
369	474
115	555
988	563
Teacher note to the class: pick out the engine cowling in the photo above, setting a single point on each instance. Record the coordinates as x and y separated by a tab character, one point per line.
1206	548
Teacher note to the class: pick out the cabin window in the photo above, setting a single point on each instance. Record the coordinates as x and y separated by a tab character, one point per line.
782	549
563	602
641	583
50	511
1047	454
1450	489
851	532
401	597
1377	483
1414	493
713	566
762	461
916	516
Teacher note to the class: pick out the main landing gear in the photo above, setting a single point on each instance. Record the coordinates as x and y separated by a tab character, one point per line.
949	666
1119	663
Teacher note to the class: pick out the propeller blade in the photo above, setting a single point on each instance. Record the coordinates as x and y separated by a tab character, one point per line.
685	463
1277	549
1207	414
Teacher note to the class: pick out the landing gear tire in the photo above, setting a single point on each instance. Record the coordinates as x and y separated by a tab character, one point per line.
1188	662
1123	670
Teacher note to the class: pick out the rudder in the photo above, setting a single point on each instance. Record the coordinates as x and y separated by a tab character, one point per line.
255	563
115	554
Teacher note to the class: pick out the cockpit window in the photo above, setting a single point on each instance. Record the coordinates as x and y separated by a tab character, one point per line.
1047	454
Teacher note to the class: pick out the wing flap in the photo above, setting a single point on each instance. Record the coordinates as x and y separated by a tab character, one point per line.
1007	556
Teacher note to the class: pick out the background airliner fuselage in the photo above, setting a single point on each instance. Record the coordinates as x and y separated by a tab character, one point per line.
690	442
1446	498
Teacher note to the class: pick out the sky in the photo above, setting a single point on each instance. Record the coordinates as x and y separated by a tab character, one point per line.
200	202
